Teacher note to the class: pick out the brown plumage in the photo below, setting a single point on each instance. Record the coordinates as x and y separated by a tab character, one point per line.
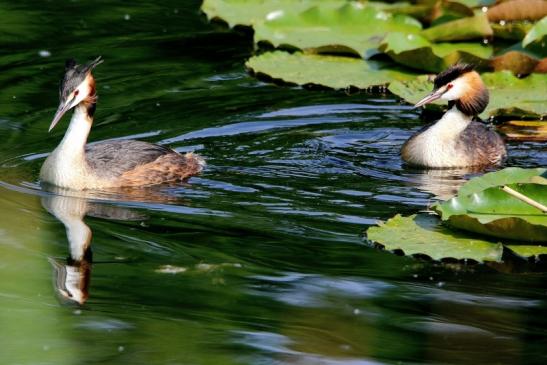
456	140
110	164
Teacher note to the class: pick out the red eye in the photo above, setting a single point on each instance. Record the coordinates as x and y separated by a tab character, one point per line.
76	92
448	87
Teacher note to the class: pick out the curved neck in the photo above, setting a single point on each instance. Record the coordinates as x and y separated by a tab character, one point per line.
78	130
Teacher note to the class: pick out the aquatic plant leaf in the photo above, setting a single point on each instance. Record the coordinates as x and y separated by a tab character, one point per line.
328	71
352	28
516	30
537	34
517	10
482	207
417	52
524	130
528	251
519	63
424	235
248	13
475	27
509	95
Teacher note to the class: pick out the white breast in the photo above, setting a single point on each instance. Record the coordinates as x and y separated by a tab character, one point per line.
437	146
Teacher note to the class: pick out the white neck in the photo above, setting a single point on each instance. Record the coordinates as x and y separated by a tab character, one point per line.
66	166
451	124
437	146
75	138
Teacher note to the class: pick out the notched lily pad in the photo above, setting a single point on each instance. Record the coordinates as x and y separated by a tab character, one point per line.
351	28
417	52
509	95
328	71
248	13
475	27
423	235
481	206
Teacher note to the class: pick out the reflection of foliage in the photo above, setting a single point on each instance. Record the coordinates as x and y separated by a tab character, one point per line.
480	207
368	29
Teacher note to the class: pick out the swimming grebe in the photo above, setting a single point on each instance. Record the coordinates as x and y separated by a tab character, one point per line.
110	164
456	140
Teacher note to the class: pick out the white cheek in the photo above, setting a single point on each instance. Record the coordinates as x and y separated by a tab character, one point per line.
81	95
457	90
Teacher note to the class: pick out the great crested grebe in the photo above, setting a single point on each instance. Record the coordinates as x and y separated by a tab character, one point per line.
456	140
111	164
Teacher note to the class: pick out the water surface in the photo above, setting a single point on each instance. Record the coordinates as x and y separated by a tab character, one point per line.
261	259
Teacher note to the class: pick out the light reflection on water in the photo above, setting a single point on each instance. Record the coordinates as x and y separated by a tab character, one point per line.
259	260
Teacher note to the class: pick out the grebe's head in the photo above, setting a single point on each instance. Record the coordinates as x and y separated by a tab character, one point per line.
76	86
462	86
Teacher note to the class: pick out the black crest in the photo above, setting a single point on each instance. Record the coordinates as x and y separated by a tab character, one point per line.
75	75
451	74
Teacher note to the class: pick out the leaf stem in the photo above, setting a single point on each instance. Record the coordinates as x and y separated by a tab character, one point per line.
524	198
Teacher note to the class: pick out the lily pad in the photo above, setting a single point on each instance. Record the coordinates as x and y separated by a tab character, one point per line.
517	10
537	34
524	130
328	71
509	95
352	28
519	63
248	13
417	52
483	207
515	30
475	27
424	235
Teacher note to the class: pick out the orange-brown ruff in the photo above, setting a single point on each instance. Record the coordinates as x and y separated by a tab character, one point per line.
456	140
110	164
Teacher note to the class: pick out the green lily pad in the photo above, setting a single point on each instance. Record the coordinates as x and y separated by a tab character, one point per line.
248	13
352	28
481	206
537	34
516	30
417	52
475	27
528	251
508	175
424	235
509	95
328	71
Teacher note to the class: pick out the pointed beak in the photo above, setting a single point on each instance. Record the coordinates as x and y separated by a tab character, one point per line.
61	110
436	94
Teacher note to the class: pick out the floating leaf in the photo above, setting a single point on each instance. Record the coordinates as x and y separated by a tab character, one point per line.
424	235
475	27
481	206
509	95
537	34
527	251
518	10
519	63
511	30
352	28
445	11
248	13
508	175
328	71
417	52
524	130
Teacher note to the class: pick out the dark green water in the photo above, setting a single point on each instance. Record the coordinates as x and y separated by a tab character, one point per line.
261	259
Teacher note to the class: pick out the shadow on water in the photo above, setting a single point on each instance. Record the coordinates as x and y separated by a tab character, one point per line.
258	260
